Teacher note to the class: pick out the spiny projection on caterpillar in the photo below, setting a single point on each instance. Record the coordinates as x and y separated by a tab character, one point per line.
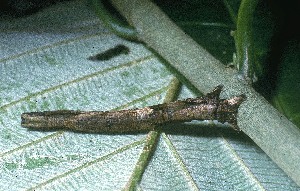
208	107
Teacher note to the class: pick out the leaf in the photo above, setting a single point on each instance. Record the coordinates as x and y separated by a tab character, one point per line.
44	66
287	94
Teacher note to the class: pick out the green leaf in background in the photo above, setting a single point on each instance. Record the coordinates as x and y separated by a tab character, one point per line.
272	57
286	55
44	66
287	94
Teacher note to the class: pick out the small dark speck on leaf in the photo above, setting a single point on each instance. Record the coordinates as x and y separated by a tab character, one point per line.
110	53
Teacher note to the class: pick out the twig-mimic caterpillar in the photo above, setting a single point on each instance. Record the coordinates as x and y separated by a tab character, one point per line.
209	107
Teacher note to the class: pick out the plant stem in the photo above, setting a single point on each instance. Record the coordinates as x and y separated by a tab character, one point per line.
151	143
111	22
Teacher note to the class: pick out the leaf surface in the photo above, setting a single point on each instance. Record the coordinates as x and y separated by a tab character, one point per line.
44	66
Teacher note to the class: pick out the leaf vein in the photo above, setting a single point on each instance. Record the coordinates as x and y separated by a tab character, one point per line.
53	88
87	164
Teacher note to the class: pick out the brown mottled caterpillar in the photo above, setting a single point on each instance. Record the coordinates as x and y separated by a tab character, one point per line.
209	107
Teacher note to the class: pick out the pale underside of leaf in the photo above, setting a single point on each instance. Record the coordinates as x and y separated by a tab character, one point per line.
50	71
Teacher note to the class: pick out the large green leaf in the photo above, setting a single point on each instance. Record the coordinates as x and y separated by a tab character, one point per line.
287	93
44	66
